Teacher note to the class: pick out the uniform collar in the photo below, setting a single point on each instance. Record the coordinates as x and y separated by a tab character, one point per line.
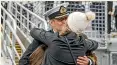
71	35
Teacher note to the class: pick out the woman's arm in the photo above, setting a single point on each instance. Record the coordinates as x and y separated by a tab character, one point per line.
42	35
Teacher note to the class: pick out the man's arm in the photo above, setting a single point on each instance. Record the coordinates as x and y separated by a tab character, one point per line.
91	45
25	57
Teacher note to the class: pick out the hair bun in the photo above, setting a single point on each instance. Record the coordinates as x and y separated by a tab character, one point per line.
90	15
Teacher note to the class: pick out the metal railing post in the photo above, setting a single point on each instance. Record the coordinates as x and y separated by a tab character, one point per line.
27	23
21	18
106	34
9	40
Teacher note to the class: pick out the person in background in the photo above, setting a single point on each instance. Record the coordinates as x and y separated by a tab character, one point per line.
114	14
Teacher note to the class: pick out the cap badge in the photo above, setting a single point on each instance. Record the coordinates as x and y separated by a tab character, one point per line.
63	10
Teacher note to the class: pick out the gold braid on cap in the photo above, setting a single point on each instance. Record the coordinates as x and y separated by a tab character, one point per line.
63	10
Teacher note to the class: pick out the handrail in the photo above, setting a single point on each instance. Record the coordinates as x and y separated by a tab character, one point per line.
13	29
17	38
8	42
26	19
45	23
14	25
9	51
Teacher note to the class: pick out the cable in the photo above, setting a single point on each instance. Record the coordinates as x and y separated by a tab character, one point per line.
71	51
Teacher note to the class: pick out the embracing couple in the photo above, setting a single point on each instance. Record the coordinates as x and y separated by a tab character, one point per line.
65	43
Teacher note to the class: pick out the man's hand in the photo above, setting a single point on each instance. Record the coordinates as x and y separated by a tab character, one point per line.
83	60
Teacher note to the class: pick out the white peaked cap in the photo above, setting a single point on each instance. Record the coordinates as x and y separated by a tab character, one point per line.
55	9
78	21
